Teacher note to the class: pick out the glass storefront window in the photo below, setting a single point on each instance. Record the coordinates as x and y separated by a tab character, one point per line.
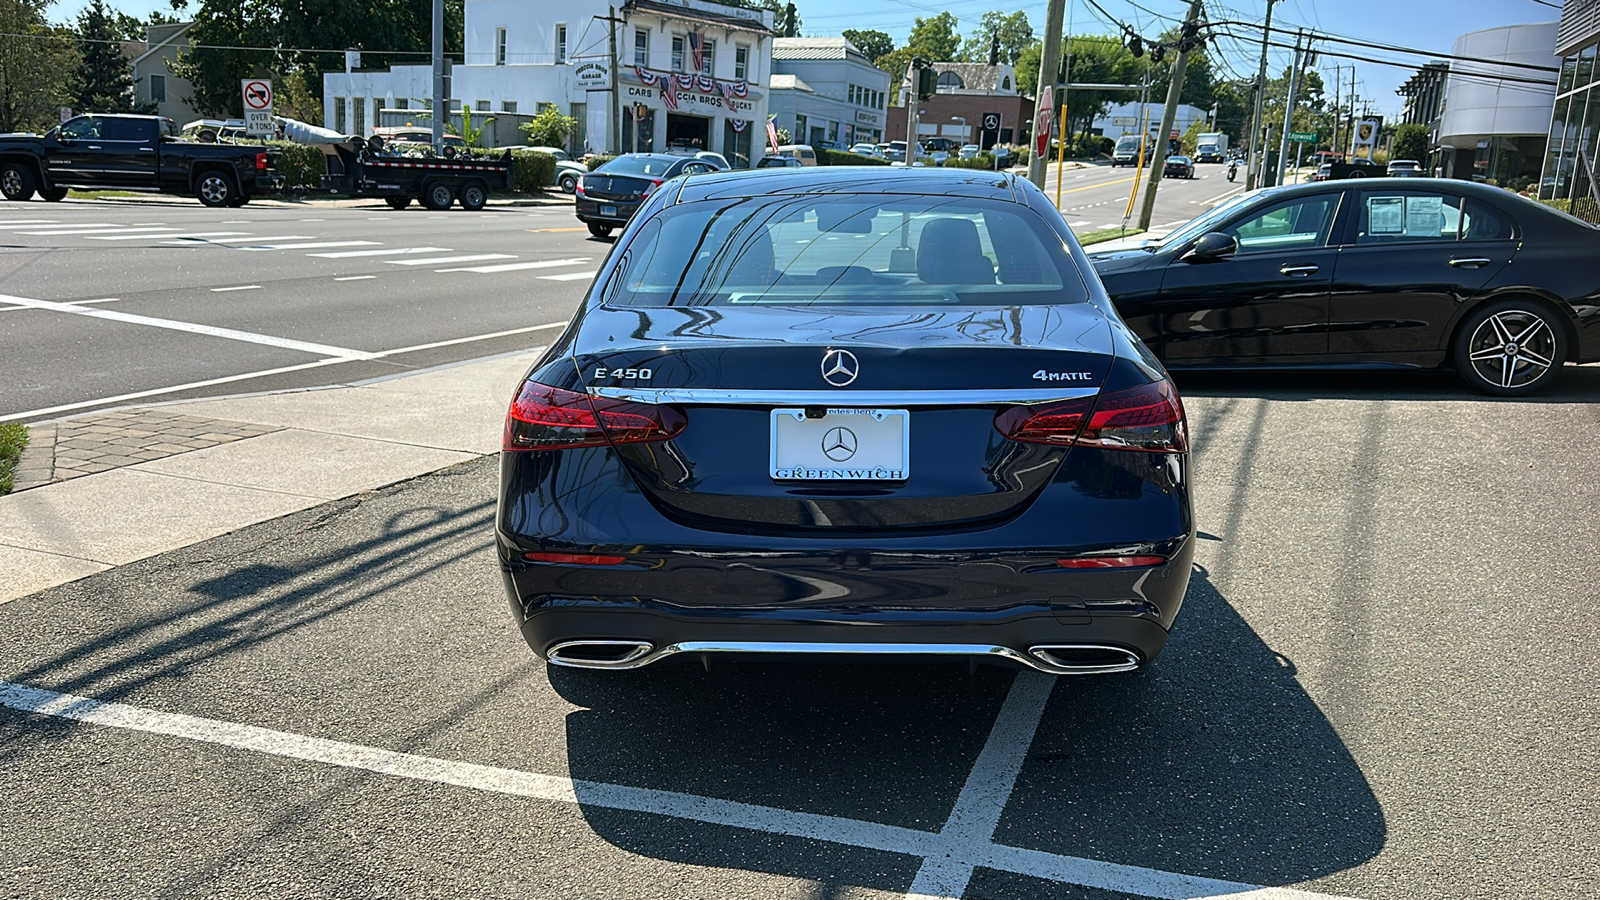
1585	72
1569	67
1554	183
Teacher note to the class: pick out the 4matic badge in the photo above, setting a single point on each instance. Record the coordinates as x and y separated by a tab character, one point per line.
1042	375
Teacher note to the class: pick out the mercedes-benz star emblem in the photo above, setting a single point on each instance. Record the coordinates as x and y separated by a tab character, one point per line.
839	444
839	367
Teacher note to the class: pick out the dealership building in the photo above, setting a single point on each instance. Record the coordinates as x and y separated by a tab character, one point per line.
1569	163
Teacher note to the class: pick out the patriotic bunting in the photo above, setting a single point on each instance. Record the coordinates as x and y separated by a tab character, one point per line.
739	125
741	89
684	80
705	84
645	75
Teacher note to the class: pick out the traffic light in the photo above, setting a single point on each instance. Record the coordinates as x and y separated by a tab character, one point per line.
926	83
1135	45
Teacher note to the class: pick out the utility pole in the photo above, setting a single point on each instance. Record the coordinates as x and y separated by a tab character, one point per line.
1334	146
1049	74
1352	114
913	97
1258	150
1288	107
1191	30
441	103
614	144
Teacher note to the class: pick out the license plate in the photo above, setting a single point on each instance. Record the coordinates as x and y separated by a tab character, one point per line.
608	210
843	445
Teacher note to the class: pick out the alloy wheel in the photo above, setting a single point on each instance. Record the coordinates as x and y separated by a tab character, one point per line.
1513	348
214	190
12	182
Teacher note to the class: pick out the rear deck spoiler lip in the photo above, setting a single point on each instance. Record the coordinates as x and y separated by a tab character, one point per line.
838	398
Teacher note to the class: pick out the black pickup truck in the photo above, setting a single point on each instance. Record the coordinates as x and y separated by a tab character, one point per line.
137	153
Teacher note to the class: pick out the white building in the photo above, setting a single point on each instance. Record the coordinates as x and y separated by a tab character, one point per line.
1124	118
522	57
825	91
1496	117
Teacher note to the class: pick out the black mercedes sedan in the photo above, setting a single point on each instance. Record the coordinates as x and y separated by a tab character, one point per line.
1400	273
608	197
842	411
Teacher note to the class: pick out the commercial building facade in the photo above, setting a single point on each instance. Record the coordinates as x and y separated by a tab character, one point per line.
825	92
1498	97
1572	154
965	94
689	73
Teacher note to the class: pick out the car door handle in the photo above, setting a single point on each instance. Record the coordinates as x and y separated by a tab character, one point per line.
1472	262
92	147
1300	271
147	149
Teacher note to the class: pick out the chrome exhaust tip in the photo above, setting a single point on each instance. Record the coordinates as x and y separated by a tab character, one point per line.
1083	659
599	654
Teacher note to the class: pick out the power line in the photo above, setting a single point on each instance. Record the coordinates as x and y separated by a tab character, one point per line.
1395	48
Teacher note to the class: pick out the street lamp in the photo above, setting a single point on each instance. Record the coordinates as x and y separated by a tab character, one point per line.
965	132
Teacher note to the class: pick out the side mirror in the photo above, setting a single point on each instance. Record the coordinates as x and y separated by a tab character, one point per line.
1213	246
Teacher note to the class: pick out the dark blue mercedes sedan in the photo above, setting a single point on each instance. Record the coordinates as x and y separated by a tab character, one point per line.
847	412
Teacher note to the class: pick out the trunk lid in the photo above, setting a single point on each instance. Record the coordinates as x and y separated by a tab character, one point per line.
951	370
615	187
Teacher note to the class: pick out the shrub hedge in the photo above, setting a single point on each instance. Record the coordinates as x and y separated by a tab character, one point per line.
531	171
596	160
826	157
301	165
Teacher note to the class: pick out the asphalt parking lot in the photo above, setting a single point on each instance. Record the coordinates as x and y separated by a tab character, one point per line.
1380	686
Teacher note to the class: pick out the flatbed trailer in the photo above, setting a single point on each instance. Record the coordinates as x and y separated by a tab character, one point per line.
354	168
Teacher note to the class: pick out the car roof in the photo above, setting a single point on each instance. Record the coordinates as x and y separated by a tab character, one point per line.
972	183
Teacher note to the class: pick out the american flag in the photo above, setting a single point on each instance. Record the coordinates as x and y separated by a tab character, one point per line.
697	50
772	132
669	96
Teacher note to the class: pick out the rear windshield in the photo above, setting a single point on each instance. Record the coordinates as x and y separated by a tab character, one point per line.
848	250
637	165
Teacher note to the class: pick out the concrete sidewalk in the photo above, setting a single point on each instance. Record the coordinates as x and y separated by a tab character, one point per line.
281	452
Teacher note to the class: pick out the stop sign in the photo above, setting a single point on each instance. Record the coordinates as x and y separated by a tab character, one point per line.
1041	121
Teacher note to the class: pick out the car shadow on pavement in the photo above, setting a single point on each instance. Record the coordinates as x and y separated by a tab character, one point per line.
1212	762
1576	384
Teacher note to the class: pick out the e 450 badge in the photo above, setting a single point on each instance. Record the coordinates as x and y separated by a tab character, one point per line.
1042	375
623	374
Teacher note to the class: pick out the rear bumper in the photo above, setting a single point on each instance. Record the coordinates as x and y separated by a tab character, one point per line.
268	184
589	211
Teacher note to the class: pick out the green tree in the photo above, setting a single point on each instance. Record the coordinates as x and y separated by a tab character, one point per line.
549	128
786	22
103	83
1087	59
935	39
1411	142
873	44
36	62
1011	31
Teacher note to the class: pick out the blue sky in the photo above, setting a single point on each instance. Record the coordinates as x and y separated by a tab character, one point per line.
1431	25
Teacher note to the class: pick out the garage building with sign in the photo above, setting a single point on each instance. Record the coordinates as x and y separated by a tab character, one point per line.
691	74
826	92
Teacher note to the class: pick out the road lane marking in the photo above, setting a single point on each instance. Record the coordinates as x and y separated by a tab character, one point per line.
441	260
69	303
162	237
937	850
1078	224
34	223
242	287
192	328
569	276
517	267
241	240
310	246
264	373
349	254
81	230
355	278
552	230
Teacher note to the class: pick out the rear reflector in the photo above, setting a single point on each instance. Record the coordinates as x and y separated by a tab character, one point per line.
575	559
1148	417
550	418
1110	562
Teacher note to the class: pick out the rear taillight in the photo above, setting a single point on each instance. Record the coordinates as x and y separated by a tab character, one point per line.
261	162
654	183
578	189
575	559
550	418
1148	417
1110	562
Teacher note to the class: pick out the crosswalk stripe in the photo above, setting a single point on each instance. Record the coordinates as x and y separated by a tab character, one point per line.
313	245
517	267
448	259
246	239
35	223
146	237
111	230
347	254
569	276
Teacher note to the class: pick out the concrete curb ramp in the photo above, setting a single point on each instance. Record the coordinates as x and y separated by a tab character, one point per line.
325	444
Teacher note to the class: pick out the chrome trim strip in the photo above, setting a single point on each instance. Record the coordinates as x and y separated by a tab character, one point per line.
841	397
1041	652
644	656
628	660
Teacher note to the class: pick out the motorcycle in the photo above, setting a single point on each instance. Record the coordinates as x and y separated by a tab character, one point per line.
1233	169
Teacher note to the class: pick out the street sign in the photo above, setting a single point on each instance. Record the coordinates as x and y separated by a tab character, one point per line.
991	121
1303	137
257	105
1041	121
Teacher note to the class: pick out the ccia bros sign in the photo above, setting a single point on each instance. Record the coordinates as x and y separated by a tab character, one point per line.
690	101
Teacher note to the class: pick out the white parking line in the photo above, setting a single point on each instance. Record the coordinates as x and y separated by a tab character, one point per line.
124	229
348	254
938	851
569	276
355	278
242	287
191	327
162	237
517	267
241	240
68	302
35	223
311	246
441	260
263	373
